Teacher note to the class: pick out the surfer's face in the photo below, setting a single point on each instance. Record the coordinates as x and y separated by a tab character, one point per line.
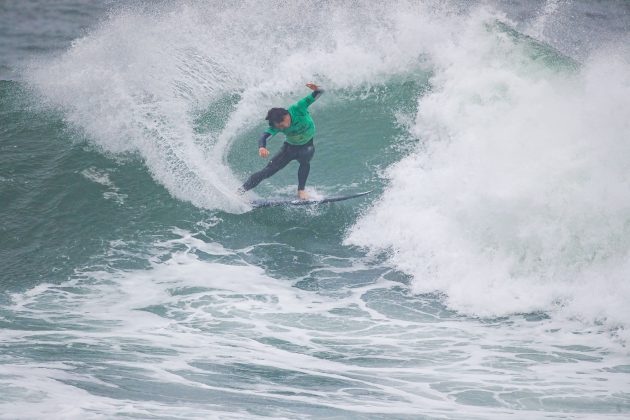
285	123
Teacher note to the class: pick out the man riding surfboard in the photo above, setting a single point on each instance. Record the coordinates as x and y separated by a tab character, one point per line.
299	130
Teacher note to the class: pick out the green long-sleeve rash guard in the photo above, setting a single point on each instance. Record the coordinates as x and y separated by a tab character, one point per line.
302	127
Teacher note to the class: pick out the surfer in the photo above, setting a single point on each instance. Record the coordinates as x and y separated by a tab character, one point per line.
299	129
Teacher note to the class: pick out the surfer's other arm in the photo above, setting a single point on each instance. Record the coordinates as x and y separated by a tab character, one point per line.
262	145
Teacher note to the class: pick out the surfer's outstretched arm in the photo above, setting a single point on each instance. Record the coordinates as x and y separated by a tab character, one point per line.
309	99
317	91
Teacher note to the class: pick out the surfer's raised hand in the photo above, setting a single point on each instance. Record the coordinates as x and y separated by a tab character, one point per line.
263	152
312	86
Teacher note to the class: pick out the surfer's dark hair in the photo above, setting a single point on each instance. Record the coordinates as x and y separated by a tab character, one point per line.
276	115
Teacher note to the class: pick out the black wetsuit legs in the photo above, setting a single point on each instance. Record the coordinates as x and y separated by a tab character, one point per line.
288	152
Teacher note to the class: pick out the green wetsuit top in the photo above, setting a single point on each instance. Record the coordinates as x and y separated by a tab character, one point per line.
302	127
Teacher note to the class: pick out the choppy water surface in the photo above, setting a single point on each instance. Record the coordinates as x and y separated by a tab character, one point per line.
486	276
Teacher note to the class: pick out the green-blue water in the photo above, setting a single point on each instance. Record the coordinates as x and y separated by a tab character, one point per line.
486	276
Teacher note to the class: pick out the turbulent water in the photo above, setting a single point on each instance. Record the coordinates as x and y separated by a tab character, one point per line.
486	277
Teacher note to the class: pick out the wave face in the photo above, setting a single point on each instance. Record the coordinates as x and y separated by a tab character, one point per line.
148	82
515	198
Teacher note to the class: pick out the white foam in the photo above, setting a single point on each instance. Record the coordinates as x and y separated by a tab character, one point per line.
516	199
231	338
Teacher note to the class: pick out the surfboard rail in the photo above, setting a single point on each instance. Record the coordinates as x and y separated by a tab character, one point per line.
297	202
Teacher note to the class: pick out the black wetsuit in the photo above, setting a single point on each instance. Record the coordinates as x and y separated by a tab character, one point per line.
288	152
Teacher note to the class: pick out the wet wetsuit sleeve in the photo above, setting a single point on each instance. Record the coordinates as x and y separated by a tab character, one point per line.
268	133
316	94
309	99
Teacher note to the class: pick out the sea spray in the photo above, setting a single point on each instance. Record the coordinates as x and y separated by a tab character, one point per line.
137	83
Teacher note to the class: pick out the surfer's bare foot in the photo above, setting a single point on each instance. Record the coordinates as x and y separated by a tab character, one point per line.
302	195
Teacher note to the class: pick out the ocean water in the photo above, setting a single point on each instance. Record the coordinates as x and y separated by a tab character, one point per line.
486	277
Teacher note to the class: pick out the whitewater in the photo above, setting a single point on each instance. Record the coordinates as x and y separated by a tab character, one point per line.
485	277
